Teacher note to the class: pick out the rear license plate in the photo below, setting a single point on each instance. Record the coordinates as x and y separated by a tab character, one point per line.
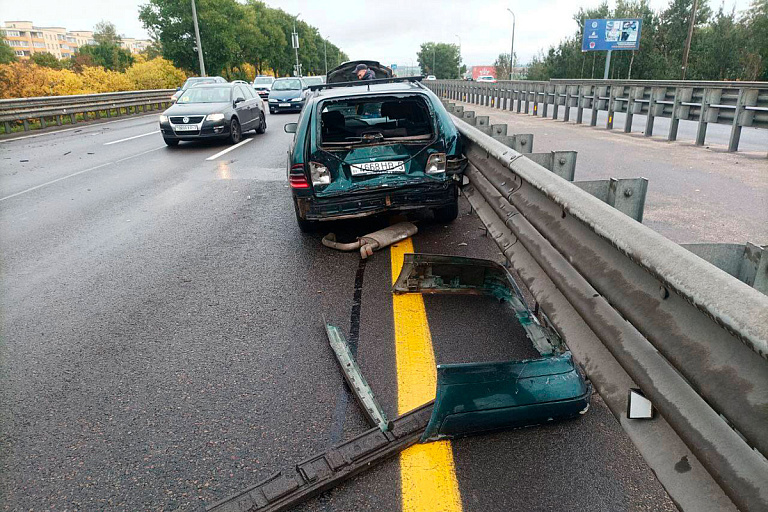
377	168
185	128
285	104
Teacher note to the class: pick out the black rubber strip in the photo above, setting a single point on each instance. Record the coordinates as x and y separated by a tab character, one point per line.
286	489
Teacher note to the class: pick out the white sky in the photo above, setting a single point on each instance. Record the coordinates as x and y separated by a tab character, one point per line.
388	31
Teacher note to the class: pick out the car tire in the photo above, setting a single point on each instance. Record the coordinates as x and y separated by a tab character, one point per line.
271	111
262	123
447	213
235	132
171	142
306	226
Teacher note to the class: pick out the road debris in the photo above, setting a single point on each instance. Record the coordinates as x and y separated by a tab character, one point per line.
373	241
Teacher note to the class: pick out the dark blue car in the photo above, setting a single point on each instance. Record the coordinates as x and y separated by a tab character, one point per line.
287	95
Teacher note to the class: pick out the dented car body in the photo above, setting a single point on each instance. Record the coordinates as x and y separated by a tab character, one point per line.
477	397
383	145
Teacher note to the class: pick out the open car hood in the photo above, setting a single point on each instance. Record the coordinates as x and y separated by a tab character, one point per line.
346	72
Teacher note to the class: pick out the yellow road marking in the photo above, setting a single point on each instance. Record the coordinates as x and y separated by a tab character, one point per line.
427	471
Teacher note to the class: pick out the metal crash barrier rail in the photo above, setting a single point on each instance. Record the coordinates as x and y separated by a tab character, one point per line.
693	338
51	109
737	104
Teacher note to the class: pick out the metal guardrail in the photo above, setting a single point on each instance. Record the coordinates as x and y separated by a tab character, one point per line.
737	104
691	336
52	108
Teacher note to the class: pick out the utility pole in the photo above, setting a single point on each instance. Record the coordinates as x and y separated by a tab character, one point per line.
325	55
512	50
295	43
434	48
687	49
197	38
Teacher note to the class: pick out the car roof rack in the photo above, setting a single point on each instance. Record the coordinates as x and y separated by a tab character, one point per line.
367	82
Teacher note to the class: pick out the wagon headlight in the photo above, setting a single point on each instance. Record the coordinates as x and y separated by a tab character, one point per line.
215	117
163	119
436	163
320	174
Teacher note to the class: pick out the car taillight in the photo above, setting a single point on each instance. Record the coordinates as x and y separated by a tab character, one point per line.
436	163
297	178
319	173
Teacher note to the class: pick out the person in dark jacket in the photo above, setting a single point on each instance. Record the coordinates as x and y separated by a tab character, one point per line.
363	73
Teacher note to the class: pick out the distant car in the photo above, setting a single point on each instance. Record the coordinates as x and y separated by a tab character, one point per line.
314	80
431	77
218	110
196	80
287	95
262	85
486	78
365	149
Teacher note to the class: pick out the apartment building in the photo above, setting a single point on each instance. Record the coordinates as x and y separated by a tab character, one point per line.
27	39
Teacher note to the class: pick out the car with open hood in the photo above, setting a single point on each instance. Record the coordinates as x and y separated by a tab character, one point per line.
217	110
287	95
382	145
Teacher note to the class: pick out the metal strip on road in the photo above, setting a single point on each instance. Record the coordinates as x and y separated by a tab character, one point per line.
428	473
77	173
131	138
217	155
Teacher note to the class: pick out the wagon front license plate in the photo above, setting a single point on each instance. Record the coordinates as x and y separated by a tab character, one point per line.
186	128
284	105
377	168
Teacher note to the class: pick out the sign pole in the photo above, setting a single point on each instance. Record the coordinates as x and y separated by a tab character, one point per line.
607	65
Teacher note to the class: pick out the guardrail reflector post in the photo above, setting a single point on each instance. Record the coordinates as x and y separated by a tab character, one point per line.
746	262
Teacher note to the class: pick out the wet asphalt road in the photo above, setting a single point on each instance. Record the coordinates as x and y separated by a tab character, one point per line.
162	344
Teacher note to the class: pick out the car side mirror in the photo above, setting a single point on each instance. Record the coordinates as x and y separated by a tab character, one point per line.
290	127
239	99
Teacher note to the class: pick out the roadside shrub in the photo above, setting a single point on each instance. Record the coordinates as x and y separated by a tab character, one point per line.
97	79
157	73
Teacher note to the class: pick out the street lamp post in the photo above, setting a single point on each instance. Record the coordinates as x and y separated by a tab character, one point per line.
434	48
459	37
197	38
512	50
295	43
325	54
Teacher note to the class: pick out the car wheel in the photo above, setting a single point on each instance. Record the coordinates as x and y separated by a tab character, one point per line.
447	213
271	111
171	142
262	124
235	134
306	226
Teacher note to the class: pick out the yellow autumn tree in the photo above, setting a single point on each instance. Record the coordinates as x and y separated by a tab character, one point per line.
157	73
22	80
62	82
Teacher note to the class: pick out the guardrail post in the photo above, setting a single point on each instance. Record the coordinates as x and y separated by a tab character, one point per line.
26	125
73	118
562	163
42	122
631	104
656	94
556	102
701	131
611	106
625	194
567	109
527	98
742	117
746	262
7	127
580	100
545	106
519	94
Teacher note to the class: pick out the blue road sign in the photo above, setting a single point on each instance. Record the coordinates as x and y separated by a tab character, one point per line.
619	34
393	67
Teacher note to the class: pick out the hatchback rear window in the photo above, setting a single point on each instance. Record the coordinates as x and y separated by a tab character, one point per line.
373	120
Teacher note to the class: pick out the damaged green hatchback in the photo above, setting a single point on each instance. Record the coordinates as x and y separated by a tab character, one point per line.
363	148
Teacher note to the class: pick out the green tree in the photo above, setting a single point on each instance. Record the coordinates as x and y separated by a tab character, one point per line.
105	32
754	55
107	55
47	60
502	66
7	55
439	59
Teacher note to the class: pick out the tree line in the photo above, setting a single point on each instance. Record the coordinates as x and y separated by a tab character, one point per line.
726	45
235	36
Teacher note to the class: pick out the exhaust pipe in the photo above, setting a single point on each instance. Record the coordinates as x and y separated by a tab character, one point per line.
373	241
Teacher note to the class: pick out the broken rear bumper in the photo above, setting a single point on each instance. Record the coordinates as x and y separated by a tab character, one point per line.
362	204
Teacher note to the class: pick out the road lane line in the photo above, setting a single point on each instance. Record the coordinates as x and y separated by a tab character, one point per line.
217	155
77	173
77	127
427	471
131	138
